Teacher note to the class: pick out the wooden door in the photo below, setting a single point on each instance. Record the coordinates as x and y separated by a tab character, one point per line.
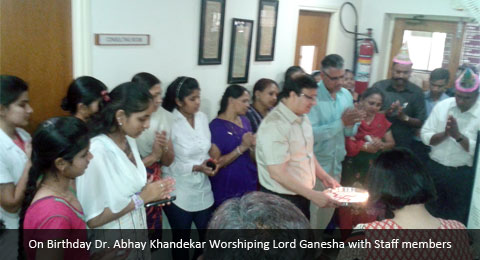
312	36
36	45
451	52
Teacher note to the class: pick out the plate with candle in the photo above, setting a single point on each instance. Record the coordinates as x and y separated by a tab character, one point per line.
348	196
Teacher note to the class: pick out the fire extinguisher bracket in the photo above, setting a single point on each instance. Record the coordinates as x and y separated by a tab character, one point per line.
362	60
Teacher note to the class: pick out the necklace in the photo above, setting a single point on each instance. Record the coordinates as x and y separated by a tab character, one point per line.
68	200
57	191
127	150
129	153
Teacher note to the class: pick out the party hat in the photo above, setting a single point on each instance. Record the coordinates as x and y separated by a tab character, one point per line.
403	57
467	82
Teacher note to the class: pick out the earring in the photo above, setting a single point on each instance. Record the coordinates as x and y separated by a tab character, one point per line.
119	123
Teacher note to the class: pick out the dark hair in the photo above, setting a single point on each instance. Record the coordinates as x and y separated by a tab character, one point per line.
296	85
398	178
130	97
348	71
83	90
260	217
316	73
59	137
291	70
261	84
11	87
146	78
440	74
232	91
332	61
180	88
372	91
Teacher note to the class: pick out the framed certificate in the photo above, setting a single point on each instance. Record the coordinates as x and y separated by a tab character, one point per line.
241	42
266	30
211	32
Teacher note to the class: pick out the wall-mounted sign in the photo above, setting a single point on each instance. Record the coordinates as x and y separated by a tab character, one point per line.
122	39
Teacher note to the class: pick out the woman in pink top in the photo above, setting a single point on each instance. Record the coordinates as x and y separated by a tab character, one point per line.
399	181
59	155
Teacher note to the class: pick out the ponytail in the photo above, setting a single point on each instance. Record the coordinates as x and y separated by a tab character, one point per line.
33	176
83	90
60	137
179	89
130	97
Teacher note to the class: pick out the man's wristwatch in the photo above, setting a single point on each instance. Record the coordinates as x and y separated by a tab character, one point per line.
459	139
406	118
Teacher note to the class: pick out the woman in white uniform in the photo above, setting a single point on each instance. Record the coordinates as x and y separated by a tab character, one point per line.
15	147
114	188
191	142
15	152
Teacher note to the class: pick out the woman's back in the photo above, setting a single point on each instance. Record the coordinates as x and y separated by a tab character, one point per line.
389	240
63	221
392	224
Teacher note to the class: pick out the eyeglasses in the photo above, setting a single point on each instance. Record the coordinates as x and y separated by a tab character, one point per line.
334	78
309	98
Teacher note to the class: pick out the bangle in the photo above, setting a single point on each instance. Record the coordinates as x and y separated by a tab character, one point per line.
138	201
406	118
238	150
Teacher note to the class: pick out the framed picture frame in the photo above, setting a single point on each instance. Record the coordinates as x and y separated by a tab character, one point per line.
266	30
240	48
212	19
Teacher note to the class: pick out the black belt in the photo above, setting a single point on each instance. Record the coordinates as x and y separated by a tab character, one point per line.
452	167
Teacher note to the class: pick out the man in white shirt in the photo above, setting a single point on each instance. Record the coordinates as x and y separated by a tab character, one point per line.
286	163
451	131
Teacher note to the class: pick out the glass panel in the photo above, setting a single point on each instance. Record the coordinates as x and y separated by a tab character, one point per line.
307	53
426	49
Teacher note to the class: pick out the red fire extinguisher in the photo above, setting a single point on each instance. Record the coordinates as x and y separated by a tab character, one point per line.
364	64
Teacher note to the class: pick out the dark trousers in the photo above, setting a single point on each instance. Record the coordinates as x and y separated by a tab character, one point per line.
300	202
454	187
181	221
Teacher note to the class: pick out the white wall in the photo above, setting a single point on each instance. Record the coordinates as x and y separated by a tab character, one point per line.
174	29
173	26
380	15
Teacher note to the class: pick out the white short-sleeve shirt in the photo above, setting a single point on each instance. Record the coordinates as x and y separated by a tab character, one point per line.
191	146
12	164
